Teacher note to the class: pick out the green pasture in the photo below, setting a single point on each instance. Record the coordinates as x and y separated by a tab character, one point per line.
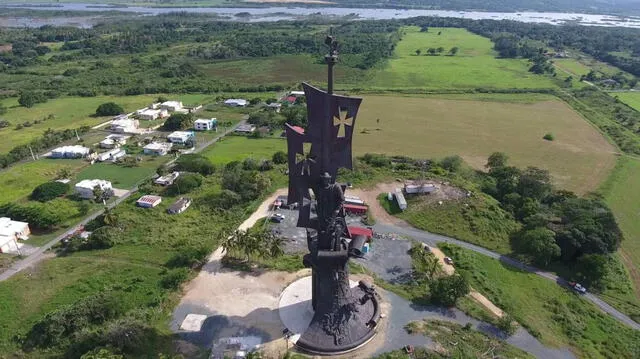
120	176
630	98
474	66
18	181
579	158
237	148
622	193
557	316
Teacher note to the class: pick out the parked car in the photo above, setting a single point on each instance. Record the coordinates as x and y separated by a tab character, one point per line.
448	260
277	218
578	287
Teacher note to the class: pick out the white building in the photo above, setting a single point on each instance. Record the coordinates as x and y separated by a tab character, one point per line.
167	179
172	106
10	233
76	151
149	201
149	114
276	106
84	188
296	93
158	148
180	137
202	124
124	125
236	102
179	206
112	155
113	141
248	128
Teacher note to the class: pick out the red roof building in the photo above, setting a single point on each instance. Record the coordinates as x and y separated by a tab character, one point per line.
291	99
149	201
355	208
360	231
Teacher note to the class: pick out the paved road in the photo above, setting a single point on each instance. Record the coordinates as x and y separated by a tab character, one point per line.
37	255
433	239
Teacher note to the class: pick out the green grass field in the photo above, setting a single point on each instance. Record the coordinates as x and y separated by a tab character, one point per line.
18	181
474	66
555	315
122	177
630	98
237	148
433	127
622	193
573	66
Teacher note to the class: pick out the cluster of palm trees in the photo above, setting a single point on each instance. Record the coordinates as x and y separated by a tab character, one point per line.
253	244
433	51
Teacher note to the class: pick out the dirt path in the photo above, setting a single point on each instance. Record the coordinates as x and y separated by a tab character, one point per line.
262	211
370	197
481	299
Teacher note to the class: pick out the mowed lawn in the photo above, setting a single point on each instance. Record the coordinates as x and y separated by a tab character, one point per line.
474	66
622	193
121	177
426	127
630	98
237	148
19	181
69	112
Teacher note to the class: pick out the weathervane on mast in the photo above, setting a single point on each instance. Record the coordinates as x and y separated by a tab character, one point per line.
331	58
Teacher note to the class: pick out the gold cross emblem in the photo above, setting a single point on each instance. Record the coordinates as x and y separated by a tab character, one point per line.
342	120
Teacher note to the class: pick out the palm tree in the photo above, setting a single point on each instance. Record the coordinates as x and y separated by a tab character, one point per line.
109	218
275	246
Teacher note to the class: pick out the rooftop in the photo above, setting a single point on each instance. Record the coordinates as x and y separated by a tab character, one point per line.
150	199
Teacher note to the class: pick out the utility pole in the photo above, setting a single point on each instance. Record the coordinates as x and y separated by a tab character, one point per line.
32	155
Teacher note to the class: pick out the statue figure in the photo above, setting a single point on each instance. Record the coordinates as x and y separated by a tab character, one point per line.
344	317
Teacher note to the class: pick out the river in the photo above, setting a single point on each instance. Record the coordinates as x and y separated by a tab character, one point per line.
290	13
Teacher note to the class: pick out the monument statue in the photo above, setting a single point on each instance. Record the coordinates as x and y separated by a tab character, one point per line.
344	317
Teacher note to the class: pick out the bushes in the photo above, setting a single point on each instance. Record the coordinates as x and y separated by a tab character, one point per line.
186	183
549	136
38	215
178	121
173	278
29	99
279	158
50	190
57	327
189	257
195	163
101	238
447	290
109	109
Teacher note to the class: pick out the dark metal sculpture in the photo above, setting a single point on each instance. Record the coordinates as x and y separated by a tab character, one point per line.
345	318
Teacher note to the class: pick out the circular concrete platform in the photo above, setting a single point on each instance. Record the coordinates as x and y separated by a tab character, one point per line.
295	310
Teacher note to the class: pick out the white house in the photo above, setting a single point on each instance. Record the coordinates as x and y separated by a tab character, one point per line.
149	114
248	128
76	151
167	179
180	137
202	124
275	106
179	206
236	102
84	188
149	201
172	106
10	233
124	125
158	148
112	155
113	141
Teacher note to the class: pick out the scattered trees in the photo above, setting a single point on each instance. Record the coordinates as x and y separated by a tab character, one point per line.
109	109
29	99
454	51
186	183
